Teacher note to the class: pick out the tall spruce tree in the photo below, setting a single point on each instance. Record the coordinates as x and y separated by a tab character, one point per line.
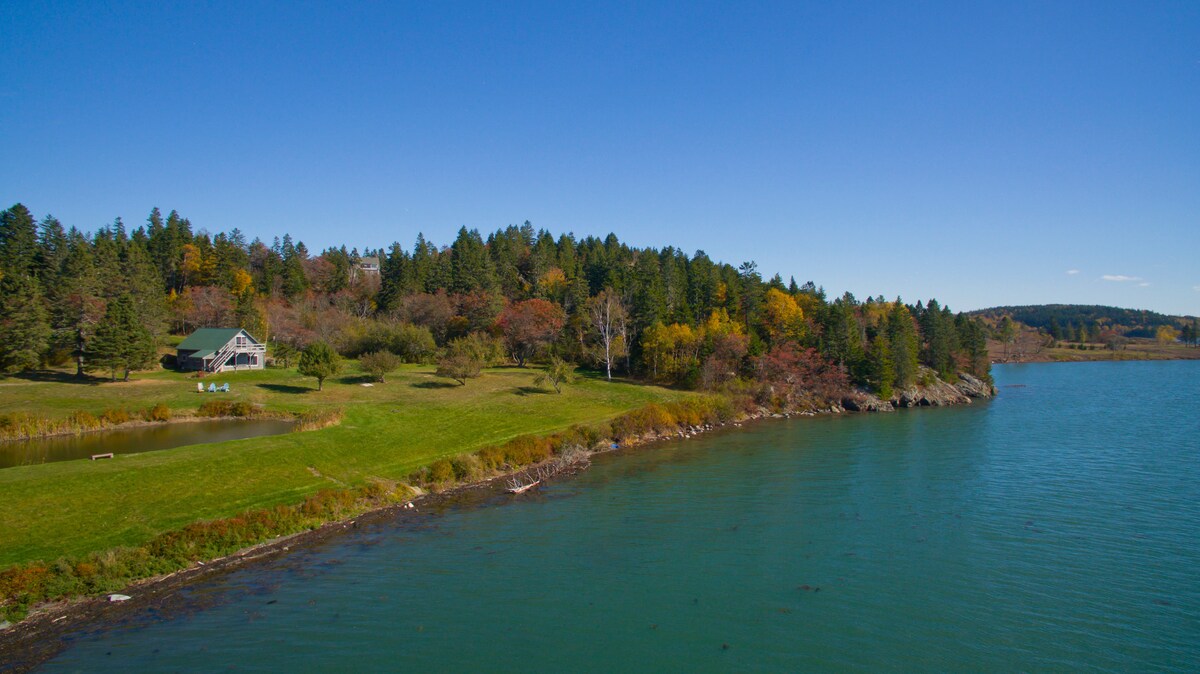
122	342
470	265
905	345
24	325
18	241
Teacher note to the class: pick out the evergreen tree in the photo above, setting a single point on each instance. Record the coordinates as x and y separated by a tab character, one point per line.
937	351
395	277
18	241
881	373
24	326
75	302
902	336
144	286
52	252
294	280
121	341
470	266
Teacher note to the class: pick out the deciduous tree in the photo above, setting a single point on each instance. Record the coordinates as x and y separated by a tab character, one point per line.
529	326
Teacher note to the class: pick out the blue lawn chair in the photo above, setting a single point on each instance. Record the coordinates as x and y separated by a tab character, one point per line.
212	388
225	388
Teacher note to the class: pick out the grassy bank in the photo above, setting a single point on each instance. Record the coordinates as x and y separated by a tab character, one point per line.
388	431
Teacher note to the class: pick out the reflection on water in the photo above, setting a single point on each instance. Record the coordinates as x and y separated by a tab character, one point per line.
135	440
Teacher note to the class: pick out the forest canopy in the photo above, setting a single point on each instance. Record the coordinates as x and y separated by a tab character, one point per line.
94	299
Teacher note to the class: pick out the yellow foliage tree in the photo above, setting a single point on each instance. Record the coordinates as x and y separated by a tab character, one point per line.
784	317
241	282
1166	334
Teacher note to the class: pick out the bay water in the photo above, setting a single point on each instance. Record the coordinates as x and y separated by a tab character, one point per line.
1056	527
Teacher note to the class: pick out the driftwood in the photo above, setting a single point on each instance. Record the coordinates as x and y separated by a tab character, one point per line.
524	481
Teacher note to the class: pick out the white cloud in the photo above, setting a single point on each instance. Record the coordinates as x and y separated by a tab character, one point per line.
1120	278
1072	272
1144	284
1196	288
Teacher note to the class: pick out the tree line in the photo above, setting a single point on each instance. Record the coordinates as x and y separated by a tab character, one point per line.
104	300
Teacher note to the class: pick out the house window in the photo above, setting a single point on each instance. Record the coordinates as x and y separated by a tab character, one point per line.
241	341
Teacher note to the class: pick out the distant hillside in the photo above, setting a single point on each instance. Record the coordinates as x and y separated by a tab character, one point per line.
1130	322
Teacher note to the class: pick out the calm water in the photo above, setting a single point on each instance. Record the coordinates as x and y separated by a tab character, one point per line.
1055	528
135	440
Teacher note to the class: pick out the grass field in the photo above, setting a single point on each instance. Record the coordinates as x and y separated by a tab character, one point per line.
389	430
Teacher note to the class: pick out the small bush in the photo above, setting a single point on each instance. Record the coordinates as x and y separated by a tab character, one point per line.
159	412
379	364
467	467
85	421
441	472
113	416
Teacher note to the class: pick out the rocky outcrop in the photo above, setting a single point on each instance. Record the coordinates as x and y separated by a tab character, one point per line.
861	401
941	393
974	387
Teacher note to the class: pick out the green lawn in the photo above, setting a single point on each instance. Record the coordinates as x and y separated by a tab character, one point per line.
390	429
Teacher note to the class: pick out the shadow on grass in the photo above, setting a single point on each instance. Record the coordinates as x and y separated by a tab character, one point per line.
531	391
285	388
357	379
434	384
60	377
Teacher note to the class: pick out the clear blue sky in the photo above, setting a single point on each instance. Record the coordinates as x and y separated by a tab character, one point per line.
972	152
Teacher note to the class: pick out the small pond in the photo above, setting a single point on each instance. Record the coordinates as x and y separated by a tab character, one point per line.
135	440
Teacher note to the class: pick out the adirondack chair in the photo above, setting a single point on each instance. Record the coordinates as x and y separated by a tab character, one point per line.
212	388
225	388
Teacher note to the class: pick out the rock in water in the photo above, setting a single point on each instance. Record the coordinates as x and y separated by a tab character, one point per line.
119	597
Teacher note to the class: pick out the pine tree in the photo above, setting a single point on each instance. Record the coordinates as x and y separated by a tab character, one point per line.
18	241
24	327
902	335
121	341
145	287
470	266
75	302
881	373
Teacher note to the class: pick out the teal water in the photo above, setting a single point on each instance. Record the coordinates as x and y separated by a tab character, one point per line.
1055	528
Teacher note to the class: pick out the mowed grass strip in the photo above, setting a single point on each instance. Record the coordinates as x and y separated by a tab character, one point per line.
389	430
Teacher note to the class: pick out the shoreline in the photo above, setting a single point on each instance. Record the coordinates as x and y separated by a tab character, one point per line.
40	636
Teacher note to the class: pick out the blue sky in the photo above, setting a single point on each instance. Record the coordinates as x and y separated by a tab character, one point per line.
983	154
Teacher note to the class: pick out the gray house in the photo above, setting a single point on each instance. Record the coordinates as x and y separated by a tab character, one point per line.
220	350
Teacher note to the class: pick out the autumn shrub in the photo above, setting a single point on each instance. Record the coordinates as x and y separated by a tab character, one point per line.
652	418
114	416
227	408
84	421
215	408
467	467
441	472
582	436
159	412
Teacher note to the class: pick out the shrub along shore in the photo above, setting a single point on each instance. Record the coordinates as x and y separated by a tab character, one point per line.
23	586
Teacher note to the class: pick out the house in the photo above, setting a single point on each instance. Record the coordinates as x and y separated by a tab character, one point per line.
369	265
219	350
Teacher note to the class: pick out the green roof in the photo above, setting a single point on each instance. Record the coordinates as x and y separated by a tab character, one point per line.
208	339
